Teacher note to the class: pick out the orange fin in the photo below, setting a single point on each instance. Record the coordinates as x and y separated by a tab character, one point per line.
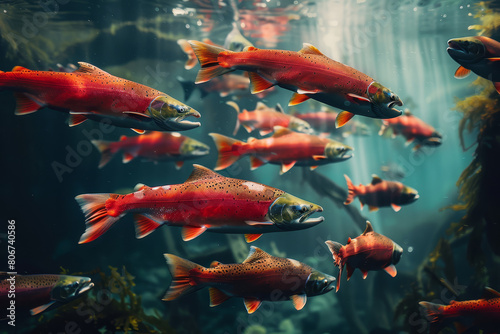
252	237
20	69
182	284
365	274
497	86
215	264
217	297
179	164
310	49
105	149
256	162
353	98
462	72
258	83
188	50
127	157
252	305
391	270
91	69
208	57
191	232
139	131
352	190
96	215
298	99
299	301
227	154
40	309
319	157
25	105
75	119
144	226
373	208
395	207
285	167
343	118
313	167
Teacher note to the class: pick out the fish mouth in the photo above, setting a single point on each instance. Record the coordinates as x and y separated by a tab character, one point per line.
84	288
304	219
180	123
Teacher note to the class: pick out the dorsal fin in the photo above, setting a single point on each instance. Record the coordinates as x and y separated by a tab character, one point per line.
255	254
21	69
89	68
489	293
260	106
279	108
280	131
368	229
376	179
310	49
202	173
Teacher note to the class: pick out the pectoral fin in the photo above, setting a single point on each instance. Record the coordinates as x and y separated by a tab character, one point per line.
298	99
40	309
353	98
299	301
252	237
139	131
462	72
391	270
395	207
343	118
191	232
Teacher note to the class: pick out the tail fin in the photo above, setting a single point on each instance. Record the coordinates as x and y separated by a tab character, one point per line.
96	215
335	249
105	149
237	108
208	57
188	50
228	155
352	190
187	86
182	284
433	311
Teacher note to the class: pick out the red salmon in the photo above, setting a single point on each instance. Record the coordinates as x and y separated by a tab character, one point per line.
206	201
91	93
260	277
369	251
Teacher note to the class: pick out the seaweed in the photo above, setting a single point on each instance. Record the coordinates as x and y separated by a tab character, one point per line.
111	306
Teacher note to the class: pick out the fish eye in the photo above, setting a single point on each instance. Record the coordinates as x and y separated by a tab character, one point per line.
181	109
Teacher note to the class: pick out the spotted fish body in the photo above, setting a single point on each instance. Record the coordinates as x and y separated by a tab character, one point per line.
309	73
154	146
264	119
484	312
260	277
381	193
285	147
369	251
39	292
206	201
91	93
412	129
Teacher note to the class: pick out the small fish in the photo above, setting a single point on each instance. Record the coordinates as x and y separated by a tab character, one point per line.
479	54
154	146
207	201
381	193
91	93
264	119
369	251
37	293
226	85
483	314
308	73
413	129
285	147
260	277
235	41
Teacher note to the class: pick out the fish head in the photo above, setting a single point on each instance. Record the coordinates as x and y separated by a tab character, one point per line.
319	283
466	50
192	147
397	251
383	101
299	125
291	213
169	114
408	195
70	287
433	140
336	151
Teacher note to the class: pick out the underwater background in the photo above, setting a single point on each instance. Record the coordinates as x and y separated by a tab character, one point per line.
450	233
